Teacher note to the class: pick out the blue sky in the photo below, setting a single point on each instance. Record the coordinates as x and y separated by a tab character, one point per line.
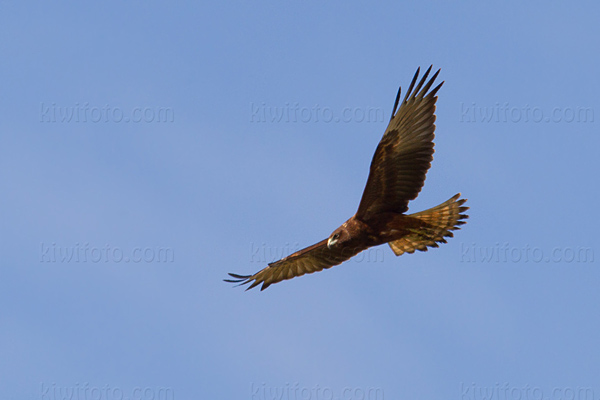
196	185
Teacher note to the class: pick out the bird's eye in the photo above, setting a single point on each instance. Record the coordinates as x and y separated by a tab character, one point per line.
336	236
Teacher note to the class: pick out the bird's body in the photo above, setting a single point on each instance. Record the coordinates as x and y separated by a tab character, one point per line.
397	175
380	229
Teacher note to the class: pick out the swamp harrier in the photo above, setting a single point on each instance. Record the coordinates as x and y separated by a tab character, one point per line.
397	175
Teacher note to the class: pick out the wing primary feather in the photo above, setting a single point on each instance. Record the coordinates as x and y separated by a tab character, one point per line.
239	279
435	89
428	85
412	84
420	84
237	276
254	284
241	283
396	103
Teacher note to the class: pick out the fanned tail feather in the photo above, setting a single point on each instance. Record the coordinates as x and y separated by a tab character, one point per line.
437	223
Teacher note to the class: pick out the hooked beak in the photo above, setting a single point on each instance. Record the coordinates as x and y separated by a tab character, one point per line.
330	243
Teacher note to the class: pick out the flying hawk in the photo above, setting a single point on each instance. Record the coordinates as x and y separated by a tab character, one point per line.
397	175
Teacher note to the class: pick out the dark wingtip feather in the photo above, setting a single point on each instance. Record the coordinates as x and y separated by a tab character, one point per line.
239	279
421	82
412	84
435	89
254	284
428	85
237	276
396	103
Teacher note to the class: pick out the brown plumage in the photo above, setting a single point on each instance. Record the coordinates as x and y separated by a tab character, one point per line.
397	175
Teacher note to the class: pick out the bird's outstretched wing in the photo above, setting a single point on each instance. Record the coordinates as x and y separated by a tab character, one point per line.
405	152
306	261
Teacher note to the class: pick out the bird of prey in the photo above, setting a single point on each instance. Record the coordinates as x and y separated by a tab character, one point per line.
397	175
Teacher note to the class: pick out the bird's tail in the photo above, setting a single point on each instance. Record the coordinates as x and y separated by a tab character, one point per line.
435	224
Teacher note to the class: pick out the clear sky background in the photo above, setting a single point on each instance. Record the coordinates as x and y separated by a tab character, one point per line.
510	304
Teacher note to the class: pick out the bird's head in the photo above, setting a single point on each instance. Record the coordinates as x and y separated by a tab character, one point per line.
339	236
